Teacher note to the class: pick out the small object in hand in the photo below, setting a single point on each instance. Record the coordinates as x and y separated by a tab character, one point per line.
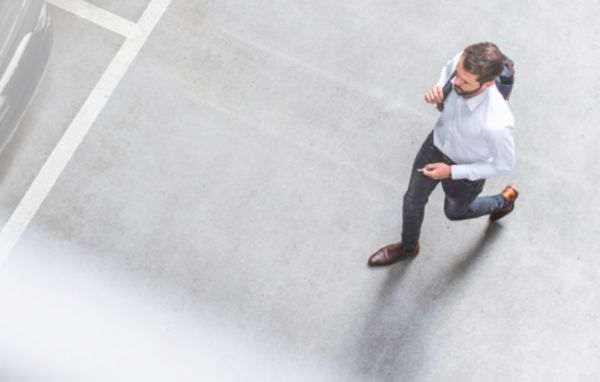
422	169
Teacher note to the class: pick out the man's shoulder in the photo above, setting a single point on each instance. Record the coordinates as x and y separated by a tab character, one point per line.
453	63
498	113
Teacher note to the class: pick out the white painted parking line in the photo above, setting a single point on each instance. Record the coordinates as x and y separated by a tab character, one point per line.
70	141
97	15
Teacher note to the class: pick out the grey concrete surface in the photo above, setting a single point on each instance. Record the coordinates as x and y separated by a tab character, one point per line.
128	9
216	222
80	54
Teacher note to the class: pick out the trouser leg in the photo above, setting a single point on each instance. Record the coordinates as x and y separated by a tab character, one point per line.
462	201
420	188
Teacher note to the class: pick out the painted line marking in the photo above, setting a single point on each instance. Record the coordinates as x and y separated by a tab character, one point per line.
79	127
97	15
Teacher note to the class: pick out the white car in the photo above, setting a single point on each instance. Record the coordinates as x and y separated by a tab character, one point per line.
25	44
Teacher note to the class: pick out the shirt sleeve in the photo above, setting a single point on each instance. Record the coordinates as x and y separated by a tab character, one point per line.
502	149
448	69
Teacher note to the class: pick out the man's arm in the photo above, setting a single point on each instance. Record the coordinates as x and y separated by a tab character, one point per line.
435	95
503	153
448	69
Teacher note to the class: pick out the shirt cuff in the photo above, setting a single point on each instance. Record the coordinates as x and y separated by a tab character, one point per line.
459	171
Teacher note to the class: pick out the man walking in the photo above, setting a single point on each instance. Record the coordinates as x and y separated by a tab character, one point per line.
471	141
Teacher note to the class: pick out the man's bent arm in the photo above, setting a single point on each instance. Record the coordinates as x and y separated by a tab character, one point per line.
448	69
503	154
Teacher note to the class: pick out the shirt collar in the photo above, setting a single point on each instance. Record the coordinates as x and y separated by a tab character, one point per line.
473	102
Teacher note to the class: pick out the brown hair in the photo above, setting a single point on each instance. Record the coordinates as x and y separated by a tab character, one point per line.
483	59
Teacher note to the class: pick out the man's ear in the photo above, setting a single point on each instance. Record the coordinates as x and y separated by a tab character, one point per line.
488	84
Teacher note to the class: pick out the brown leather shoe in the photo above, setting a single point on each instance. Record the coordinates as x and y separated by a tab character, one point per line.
391	254
511	194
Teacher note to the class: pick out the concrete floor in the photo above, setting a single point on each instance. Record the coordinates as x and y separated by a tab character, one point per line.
215	222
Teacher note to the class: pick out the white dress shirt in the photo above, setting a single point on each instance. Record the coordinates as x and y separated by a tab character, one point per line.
475	133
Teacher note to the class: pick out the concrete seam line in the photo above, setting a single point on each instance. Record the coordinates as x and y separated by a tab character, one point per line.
97	15
323	73
81	124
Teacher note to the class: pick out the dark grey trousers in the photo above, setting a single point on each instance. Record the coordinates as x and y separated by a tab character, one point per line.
461	202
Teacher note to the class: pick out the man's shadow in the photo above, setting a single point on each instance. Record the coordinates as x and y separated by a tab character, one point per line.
470	258
371	347
384	336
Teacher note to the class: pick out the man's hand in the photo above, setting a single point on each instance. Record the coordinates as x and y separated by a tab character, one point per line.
436	171
435	95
